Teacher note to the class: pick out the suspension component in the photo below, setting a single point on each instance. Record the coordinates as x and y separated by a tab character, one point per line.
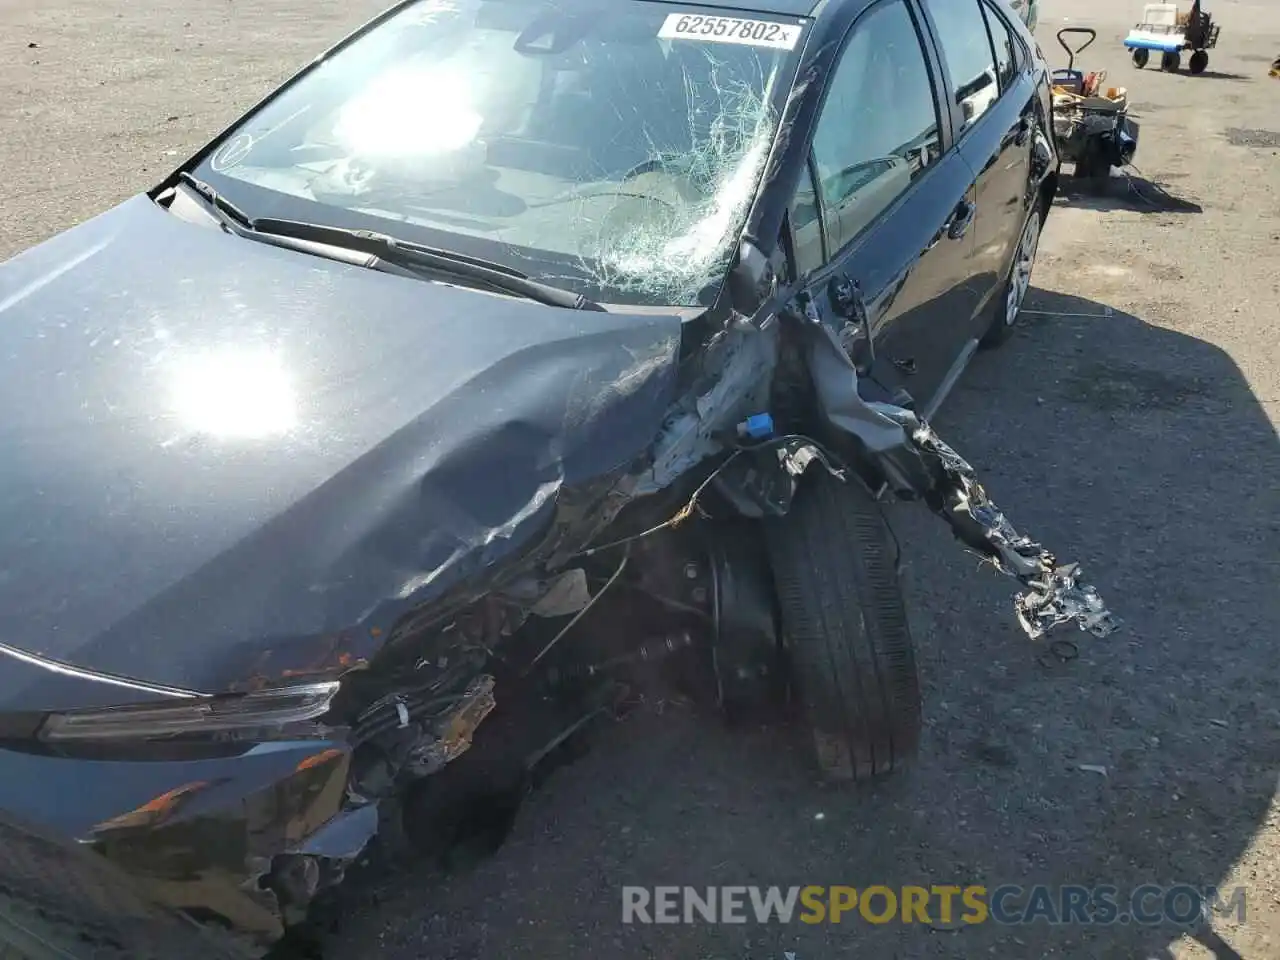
651	651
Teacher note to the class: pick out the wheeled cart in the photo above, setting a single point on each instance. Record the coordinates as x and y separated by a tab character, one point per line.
1090	121
1165	31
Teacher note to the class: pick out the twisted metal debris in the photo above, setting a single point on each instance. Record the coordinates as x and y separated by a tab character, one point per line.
1055	593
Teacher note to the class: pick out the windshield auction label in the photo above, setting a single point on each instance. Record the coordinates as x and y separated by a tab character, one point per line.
751	33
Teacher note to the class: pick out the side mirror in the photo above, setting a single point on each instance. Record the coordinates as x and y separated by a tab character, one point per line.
752	278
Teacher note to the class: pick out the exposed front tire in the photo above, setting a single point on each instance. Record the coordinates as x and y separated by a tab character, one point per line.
845	628
1199	60
1005	315
1140	58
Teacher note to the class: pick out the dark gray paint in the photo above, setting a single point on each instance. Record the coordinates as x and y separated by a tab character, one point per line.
428	417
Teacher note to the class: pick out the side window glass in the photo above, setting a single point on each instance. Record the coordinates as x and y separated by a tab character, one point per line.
962	31
1006	48
806	231
878	129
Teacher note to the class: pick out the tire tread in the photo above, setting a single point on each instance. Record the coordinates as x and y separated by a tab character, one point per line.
845	620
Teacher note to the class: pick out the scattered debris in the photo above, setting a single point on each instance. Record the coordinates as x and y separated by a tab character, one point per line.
1092	768
1241	137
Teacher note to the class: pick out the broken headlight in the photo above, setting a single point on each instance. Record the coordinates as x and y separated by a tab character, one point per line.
232	716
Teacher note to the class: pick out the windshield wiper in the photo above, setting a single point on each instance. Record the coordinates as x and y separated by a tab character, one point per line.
386	251
216	200
419	257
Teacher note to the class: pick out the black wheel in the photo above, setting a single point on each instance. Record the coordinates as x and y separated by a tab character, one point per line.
1005	315
1170	62
1199	60
1140	58
844	623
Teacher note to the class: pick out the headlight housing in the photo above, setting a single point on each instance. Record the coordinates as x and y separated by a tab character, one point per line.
231	716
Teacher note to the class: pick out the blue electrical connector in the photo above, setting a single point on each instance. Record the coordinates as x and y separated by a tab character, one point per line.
756	427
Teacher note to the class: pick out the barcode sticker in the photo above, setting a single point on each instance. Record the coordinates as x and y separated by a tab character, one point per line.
751	33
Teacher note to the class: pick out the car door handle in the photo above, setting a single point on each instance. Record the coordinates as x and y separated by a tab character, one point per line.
961	217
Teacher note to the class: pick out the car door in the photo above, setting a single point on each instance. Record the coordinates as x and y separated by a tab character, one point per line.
884	214
993	113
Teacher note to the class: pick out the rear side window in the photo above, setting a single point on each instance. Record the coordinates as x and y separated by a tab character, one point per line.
971	64
1006	47
877	132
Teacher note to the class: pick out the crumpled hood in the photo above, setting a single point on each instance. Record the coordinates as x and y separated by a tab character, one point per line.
210	446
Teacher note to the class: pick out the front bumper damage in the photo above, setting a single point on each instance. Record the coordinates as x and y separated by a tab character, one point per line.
232	836
254	830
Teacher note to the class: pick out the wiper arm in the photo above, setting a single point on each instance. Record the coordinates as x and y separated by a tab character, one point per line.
216	200
401	253
393	252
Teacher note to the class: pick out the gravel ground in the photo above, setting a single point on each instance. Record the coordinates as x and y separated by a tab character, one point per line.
1130	425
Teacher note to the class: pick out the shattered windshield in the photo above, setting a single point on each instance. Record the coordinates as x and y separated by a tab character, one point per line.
610	148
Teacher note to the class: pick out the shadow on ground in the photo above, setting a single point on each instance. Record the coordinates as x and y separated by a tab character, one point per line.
1123	190
1218	75
1150	759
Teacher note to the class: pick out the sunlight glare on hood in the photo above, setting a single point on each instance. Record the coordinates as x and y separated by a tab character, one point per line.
411	111
233	393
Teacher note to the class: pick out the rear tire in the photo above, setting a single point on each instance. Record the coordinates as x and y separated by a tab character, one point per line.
1140	58
1014	293
1169	62
845	628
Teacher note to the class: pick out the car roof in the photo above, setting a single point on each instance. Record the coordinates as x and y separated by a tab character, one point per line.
786	8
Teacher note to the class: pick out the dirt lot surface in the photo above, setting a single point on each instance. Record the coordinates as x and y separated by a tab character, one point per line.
1130	425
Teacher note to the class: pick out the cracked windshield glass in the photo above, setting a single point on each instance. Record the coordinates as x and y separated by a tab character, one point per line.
611	149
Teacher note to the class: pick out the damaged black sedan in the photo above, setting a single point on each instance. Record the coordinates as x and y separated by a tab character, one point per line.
509	344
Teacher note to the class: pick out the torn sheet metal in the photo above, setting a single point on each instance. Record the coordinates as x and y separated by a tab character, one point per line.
737	375
1055	594
916	463
345	836
442	740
